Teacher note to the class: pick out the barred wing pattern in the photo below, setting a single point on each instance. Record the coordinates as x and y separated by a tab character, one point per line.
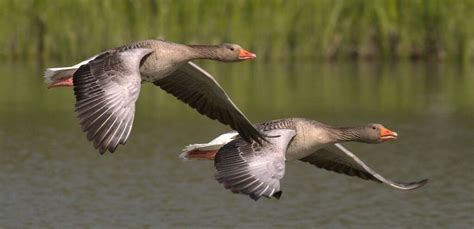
106	90
253	169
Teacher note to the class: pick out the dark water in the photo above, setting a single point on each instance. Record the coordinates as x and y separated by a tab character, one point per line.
50	176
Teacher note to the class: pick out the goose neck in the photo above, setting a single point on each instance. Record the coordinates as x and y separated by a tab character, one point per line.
204	52
345	134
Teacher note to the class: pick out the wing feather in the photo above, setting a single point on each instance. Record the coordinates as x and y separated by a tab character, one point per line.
201	91
253	169
339	159
106	89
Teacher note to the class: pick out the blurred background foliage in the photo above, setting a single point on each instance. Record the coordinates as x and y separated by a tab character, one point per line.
431	30
314	61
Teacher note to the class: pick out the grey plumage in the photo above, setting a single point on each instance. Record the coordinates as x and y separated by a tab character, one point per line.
251	168
256	170
106	90
338	159
107	87
201	91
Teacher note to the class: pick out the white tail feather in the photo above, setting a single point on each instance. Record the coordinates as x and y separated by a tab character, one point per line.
52	75
215	144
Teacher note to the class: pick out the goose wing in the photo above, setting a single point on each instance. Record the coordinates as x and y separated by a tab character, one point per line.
339	159
253	169
106	89
196	87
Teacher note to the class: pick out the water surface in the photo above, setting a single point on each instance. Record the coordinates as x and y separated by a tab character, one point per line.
50	175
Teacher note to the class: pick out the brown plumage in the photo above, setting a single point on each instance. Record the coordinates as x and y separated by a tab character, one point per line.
256	169
107	85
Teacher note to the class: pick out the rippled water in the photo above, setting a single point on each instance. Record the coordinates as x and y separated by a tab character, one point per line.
50	176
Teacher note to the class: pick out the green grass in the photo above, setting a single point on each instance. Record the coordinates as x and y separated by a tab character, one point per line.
275	30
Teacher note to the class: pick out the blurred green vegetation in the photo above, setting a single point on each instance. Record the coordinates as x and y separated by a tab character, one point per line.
275	30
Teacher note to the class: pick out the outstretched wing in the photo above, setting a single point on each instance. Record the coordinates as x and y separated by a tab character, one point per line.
201	91
253	169
339	159
106	89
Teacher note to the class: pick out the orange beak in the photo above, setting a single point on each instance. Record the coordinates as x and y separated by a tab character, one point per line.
67	82
387	135
245	55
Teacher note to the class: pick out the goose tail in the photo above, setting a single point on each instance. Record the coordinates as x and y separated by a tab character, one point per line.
62	76
207	151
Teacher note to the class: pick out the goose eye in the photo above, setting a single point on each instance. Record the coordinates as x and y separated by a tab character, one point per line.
231	49
374	128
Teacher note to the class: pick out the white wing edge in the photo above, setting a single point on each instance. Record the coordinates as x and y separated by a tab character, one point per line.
397	185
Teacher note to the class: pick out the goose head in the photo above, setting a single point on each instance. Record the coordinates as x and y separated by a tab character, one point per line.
376	133
229	52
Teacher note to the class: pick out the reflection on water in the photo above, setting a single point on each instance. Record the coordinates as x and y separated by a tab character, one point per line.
51	176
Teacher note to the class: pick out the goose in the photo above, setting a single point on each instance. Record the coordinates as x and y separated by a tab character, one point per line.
106	86
256	170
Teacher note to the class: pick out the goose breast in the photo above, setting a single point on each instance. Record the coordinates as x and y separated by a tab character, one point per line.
308	139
